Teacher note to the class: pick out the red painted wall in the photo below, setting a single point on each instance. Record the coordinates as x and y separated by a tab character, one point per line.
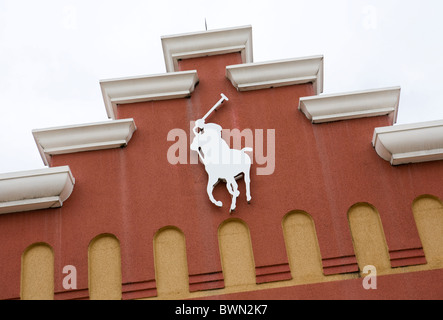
133	192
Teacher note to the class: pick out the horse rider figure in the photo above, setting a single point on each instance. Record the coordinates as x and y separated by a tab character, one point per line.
221	162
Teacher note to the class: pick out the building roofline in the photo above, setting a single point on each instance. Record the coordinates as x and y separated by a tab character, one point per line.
351	105
146	88
204	43
410	143
263	75
35	189
83	137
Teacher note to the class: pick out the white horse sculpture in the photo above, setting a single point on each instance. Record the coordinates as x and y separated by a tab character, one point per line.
221	162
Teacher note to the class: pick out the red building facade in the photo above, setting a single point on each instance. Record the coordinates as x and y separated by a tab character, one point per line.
326	154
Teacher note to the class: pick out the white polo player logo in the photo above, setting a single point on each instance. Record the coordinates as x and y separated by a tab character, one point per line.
221	162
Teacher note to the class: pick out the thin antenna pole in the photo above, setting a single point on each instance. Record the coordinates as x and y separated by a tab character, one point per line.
206	25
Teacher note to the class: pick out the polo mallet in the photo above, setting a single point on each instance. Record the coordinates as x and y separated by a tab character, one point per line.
214	108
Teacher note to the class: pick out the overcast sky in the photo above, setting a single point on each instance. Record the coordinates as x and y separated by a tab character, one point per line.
54	52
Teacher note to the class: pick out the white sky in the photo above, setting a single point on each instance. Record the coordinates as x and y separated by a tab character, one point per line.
54	52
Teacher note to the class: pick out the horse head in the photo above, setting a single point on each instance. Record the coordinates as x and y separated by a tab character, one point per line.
209	140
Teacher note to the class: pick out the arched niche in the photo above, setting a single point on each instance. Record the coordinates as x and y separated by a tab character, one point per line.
236	253
104	268
368	237
302	247
171	266
37	275
428	215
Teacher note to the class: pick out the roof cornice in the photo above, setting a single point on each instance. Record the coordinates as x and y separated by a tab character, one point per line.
147	88
84	137
410	143
204	43
36	189
263	75
352	105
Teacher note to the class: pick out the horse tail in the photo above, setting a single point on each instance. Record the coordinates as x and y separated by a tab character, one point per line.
247	150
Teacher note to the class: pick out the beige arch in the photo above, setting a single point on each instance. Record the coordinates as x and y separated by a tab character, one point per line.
368	237
171	264
37	274
428	215
302	247
104	268
236	253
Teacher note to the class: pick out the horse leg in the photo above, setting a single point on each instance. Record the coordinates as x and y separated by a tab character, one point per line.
248	185
209	189
233	191
233	184
229	188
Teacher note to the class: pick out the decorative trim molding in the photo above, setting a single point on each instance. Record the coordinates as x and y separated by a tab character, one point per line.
352	105
147	88
206	281
273	273
263	75
339	265
84	137
36	189
76	294
206	43
410	143
139	290
407	257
